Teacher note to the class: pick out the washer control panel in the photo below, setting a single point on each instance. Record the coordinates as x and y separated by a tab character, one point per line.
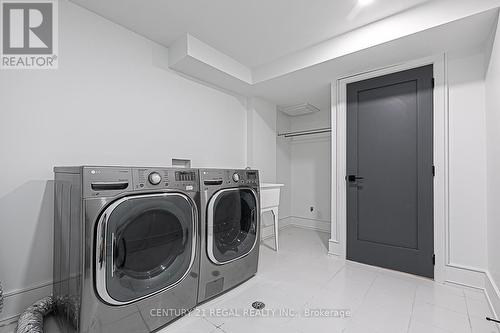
167	178
107	181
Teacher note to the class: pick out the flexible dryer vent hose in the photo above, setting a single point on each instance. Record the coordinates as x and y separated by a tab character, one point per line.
31	320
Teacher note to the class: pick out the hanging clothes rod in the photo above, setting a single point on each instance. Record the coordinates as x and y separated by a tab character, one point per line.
306	132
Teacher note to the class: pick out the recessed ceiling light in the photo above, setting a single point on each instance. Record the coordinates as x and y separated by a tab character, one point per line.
365	2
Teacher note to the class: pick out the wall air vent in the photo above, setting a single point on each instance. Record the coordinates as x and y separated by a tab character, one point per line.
181	163
298	109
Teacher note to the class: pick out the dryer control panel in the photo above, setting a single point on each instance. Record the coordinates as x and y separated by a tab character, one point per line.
228	177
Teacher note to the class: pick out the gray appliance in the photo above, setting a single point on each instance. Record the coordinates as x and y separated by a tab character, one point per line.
230	229
125	247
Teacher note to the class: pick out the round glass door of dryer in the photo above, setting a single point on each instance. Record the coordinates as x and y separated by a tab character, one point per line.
145	244
232	224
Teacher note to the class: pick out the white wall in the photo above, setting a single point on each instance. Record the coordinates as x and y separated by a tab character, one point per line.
311	172
261	147
493	165
283	172
304	166
112	101
284	165
261	138
467	164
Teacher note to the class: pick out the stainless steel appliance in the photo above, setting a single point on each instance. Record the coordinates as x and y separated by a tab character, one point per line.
230	229
125	247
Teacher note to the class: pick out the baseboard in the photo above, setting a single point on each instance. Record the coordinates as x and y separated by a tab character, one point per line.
15	302
465	276
335	248
268	230
493	294
313	224
476	278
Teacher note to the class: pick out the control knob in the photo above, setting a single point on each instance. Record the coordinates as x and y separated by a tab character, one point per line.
236	177
154	178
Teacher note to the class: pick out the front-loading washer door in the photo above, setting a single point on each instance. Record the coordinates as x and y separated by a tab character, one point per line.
232	224
145	244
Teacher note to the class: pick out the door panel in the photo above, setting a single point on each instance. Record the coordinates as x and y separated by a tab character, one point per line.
389	145
146	243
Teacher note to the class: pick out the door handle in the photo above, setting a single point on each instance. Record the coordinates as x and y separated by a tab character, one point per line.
353	178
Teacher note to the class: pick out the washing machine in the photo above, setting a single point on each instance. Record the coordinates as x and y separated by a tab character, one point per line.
230	229
126	247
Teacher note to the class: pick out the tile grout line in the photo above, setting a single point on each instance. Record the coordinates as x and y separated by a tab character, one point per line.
334	275
412	309
371	286
219	328
209	322
477	316
325	284
344	266
142	317
468	313
364	296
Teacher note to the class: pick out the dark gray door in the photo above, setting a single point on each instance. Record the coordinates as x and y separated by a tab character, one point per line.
390	171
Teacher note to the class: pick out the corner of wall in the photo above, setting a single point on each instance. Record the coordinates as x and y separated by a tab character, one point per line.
493	163
283	164
492	294
488	47
249	132
261	137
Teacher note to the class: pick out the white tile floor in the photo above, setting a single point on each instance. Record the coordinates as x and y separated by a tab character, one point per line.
302	276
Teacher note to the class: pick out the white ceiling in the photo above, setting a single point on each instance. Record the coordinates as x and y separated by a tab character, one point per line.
253	32
465	36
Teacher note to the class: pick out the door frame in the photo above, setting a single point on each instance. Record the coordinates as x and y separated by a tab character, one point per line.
338	240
